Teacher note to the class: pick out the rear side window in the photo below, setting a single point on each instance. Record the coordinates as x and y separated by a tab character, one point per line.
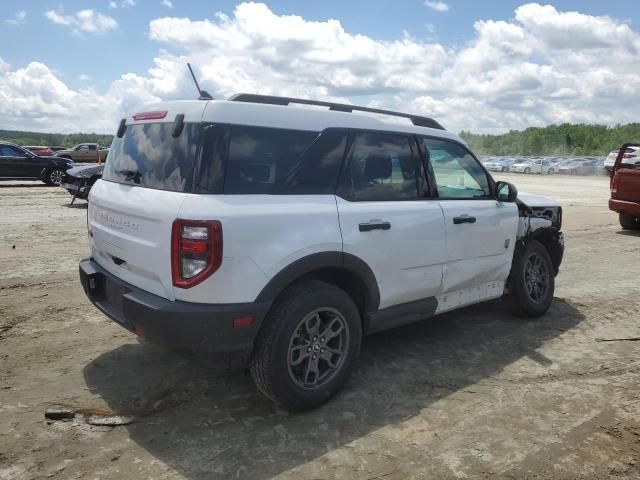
261	159
382	167
149	156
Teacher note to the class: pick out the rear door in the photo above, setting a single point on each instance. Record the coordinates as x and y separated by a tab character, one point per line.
480	232
132	209
386	220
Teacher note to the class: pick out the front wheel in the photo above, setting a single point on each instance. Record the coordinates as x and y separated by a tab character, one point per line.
308	345
504	169
550	171
629	222
531	281
55	176
527	170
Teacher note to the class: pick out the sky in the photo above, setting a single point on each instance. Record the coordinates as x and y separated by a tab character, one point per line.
485	67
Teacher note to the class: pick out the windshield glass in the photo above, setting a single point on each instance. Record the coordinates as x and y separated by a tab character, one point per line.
149	156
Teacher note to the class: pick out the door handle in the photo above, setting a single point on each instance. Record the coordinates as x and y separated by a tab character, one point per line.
464	219
367	227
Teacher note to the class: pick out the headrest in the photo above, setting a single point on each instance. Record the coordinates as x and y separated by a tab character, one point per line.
377	167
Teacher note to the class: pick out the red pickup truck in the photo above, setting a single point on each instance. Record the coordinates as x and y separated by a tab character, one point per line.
625	191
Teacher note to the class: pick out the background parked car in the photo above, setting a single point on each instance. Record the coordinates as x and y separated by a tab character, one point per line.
18	163
579	167
500	164
85	152
41	150
79	180
631	156
538	165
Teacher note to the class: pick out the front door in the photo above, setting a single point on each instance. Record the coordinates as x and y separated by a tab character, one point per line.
480	231
386	219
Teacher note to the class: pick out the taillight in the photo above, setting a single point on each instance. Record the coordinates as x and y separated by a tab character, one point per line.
157	115
196	251
615	183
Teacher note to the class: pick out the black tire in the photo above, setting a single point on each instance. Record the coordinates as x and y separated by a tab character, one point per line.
551	171
527	170
629	222
54	177
527	296
504	169
272	363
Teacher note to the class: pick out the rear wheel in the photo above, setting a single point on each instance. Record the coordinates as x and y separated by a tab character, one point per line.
629	222
308	345
55	176
531	281
550	171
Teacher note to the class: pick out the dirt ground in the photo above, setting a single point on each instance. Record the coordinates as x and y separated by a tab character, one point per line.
471	394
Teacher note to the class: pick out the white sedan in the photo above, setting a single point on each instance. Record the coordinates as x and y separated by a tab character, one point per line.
534	166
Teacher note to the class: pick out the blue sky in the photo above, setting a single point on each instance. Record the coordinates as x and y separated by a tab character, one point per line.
95	52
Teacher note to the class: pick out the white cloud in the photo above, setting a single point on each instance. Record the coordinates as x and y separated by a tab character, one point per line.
543	66
167	3
83	77
88	20
19	18
437	6
122	4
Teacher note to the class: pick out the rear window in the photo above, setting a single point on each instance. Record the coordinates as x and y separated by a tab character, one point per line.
149	156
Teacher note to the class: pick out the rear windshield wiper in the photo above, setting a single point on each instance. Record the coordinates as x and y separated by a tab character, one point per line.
130	175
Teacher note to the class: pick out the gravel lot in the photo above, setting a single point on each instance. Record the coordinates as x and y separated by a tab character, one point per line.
470	394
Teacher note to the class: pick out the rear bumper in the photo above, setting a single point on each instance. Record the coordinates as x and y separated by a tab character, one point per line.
620	206
202	329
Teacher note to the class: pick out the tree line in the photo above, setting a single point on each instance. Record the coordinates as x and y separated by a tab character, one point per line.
564	139
54	139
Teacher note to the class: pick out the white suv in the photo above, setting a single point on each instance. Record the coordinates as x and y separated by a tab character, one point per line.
278	235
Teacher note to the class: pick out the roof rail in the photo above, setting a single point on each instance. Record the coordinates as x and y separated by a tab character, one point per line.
339	107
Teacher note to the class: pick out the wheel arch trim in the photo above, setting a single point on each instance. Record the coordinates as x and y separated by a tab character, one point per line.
317	262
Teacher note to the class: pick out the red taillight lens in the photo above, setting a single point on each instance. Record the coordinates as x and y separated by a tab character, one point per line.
615	182
196	251
157	115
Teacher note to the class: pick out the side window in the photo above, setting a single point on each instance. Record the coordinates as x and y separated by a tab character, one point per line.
9	151
383	167
457	173
316	172
260	158
91	147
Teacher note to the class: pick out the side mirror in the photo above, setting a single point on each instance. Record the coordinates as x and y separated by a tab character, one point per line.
506	192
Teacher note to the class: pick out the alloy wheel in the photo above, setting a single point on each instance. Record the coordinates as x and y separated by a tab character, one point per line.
318	348
536	277
56	176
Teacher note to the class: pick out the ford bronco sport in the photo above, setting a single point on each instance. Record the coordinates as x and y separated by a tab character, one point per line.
279	231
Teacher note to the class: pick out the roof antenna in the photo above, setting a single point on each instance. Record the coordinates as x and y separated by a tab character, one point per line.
204	95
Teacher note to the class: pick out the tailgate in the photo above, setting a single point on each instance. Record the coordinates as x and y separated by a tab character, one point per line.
628	185
130	233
